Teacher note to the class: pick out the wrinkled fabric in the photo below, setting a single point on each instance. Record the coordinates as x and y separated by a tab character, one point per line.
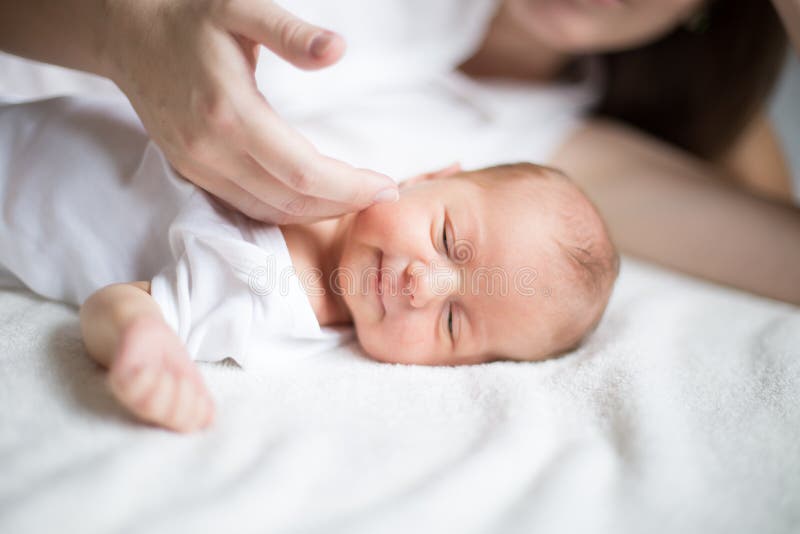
87	201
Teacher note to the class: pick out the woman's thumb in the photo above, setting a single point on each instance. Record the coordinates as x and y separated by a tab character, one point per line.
302	44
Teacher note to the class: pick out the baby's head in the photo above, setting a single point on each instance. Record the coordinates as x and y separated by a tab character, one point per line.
510	262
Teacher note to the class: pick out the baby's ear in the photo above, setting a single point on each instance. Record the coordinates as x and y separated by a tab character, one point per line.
455	168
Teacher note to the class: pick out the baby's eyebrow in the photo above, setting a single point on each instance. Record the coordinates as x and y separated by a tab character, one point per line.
468	235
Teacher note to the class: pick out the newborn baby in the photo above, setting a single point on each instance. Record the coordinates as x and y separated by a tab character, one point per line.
511	262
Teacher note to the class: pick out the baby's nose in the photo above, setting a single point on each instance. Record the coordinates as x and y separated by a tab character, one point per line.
429	282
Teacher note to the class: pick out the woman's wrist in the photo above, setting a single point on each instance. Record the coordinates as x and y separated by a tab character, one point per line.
70	33
117	34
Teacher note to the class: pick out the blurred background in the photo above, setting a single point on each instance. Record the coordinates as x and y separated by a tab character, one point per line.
18	78
786	114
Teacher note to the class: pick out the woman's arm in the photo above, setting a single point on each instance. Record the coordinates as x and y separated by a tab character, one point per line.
756	161
667	207
69	33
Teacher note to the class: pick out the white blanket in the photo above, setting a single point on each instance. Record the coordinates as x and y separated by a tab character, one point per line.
681	415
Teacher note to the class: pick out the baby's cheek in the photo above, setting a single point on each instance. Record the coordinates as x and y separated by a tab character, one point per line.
375	218
384	223
396	342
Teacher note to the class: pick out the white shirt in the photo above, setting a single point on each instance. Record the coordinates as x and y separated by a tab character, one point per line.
396	102
231	290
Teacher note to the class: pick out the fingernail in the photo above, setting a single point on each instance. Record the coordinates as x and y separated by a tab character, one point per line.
386	195
320	44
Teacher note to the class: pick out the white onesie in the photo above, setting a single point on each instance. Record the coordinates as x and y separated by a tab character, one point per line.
87	201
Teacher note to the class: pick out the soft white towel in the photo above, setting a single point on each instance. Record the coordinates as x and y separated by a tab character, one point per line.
682	414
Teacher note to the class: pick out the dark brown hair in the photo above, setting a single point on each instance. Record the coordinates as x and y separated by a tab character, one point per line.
700	85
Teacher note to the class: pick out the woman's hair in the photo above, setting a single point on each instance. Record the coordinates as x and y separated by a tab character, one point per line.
700	85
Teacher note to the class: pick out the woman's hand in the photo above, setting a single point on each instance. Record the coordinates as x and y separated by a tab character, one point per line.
187	67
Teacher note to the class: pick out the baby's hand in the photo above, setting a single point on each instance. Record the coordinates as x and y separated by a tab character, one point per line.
152	375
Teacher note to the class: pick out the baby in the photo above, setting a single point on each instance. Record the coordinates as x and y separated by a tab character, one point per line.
510	262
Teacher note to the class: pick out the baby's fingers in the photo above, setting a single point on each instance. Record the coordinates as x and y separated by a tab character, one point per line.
190	409
158	405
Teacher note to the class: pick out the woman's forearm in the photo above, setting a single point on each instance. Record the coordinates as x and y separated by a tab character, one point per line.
70	33
756	161
667	207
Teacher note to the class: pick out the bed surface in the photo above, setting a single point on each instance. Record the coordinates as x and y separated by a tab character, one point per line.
681	415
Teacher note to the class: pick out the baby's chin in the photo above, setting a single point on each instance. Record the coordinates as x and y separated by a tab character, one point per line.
373	344
376	347
398	357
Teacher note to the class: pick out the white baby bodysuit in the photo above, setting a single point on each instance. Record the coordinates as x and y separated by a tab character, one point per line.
87	201
231	289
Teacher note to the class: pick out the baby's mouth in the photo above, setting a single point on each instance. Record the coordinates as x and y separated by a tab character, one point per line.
380	273
379	293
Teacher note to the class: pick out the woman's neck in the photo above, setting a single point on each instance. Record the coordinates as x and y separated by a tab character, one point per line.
316	250
509	50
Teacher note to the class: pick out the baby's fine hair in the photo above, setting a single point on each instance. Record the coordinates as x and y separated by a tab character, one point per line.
592	261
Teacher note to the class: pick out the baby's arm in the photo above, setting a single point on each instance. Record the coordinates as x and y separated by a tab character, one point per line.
150	371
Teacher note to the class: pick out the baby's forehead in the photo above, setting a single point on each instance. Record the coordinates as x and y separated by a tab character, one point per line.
521	283
522	217
540	189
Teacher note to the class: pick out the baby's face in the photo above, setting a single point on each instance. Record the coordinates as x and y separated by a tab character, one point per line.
462	270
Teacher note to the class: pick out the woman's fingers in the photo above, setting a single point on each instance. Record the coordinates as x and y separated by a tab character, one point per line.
278	175
225	190
287	156
295	40
233	195
293	206
270	172
214	125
